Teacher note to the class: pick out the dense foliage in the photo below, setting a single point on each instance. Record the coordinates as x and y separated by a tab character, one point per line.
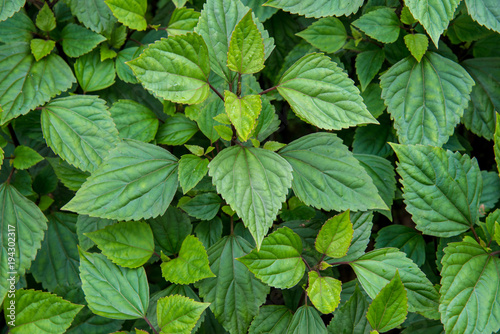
298	166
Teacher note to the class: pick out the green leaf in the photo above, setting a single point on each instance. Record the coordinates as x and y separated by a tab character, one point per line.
41	312
170	230
351	317
56	263
179	3
128	244
190	266
9	8
94	14
273	146
390	307
86	224
191	170
491	190
203	206
130	12
19	28
381	24
77	40
233	282
182	21
406	239
376	268
442	189
272	319
124	71
327	176
179	314
175	69
317	8
306	320
320	93
368	64
80	130
25	83
41	48
496	145
92	73
485	12
335	236
469	284
417	44
106	53
434	15
362	226
70	176
327	34
278	263
25	157
497	233
243	112
254	182
113	291
431	115
134	121
136	180
324	292
176	130
209	231
45	20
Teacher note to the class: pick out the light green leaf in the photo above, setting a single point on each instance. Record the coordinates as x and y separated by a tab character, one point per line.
320	93
485	12
368	64
278	263
351	317
170	230
106	53
254	182
191	170
41	48
273	145
376	268
175	69
362	225
19	28
442	189
496	140
327	176
41	312
233	282
179	3
434	15
135	181
113	291
417	44
306	320
92	73
327	34
335	236
130	12
128	244
94	14
390	307
317	8
469	289
45	20
190	266
243	112
246	48
56	263
77	40
176	130
203	206
134	121
182	21
440	90
497	233
32	83
406	239
9	8
25	157
86	224
80	130
178	314
324	292
272	319
381	24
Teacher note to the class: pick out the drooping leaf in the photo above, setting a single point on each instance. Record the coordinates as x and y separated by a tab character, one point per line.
381	24
135	181
368	64
130	12
9	8
306	320
94	14
324	292
335	236
315	8
176	130
77	40
254	182
170	230
182	21
485	12
94	74
203	206
25	157
327	34
179	314
134	121
40	48
417	44
351	317
243	112
272	319
406	239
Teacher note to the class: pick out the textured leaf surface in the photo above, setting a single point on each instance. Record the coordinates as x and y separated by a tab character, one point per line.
45	20
335	236
130	12
327	34
324	292
272	319
134	121
94	14
179	314
191	170
176	130
85	224
406	239
381	24
170	229
9	8
362	225
25	157
368	64
315	8
351	317
182	21
40	48
485	12
94	74
77	40
306	320
202	206
243	112
417	44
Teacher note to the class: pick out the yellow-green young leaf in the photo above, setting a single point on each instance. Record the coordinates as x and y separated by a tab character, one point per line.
77	40
45	20
278	263
130	12
496	139
25	157
417	44
128	244
335	236
306	320
246	49
178	314
8	8
101	279
324	292
196	150
243	112
327	34
41	312
106	52
381	24
485	12
41	47
224	132
182	21
92	73
175	69
317	8
273	146
191	170
272	319
390	307
497	233
190	266
134	121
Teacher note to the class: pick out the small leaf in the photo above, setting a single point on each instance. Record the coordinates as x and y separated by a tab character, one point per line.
335	236
86	224
224	132
327	34
106	53
25	157
368	64
70	176
191	170
324	292
273	146
243	112
196	150
417	44
497	233
45	20
406	16
306	320
134	121
178	314
130	12
182	21
381	24
176	130
203	206
94	74
77	40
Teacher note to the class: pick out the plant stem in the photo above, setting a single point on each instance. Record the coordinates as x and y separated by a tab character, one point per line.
307	264
495	253
13	135
475	234
216	91
150	325
339	263
238	90
232	226
268	90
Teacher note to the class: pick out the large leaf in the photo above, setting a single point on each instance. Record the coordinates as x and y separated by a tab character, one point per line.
175	69
469	289
94	74
278	263
485	12
351	317
243	112
134	121
406	239
179	314
327	176
254	182
272	319
25	83
135	181
317	8
320	93
324	292
77	40
94	14
235	294
113	291
381	24
19	28
80	130
442	189
327	34
130	12
9	8
306	320
439	90
335	236
203	206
